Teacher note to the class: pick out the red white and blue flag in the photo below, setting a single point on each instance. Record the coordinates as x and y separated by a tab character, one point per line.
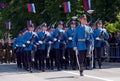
8	25
29	22
87	5
31	7
67	7
2	5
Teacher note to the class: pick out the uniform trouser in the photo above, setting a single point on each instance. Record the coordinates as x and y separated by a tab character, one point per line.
66	58
52	58
87	62
88	59
23	58
27	59
81	59
36	59
72	57
41	56
62	54
58	56
47	59
98	53
19	59
94	57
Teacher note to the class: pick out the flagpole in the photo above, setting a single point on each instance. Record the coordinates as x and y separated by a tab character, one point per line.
90	13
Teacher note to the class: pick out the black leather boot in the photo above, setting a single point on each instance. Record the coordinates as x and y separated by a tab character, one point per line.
81	73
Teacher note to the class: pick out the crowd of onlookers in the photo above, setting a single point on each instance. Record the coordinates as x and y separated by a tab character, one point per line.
114	42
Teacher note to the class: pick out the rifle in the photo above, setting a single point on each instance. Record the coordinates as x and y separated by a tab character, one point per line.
42	40
30	40
60	34
70	38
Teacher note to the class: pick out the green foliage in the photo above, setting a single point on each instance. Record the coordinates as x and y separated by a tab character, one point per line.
52	10
114	27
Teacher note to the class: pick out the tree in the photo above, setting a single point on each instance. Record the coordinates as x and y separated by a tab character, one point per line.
114	27
52	10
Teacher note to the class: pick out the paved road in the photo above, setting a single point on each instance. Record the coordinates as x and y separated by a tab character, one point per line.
110	72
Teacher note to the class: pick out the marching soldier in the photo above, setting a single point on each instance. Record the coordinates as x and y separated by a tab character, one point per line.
79	42
17	46
28	47
59	38
66	60
36	56
99	35
52	54
71	52
43	37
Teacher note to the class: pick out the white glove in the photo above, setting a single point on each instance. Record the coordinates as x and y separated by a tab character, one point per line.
97	38
40	42
50	42
37	43
74	48
55	39
16	45
23	45
61	30
34	45
28	42
58	40
47	33
70	38
34	33
104	30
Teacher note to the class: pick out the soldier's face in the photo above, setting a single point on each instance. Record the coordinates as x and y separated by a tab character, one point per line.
44	28
83	21
20	34
39	30
31	28
72	25
99	24
60	26
52	29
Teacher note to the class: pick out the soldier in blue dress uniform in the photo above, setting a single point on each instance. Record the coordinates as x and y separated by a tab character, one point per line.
99	35
28	47
43	37
79	42
51	53
59	37
71	52
16	46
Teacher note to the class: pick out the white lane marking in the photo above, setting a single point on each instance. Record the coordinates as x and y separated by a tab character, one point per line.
104	79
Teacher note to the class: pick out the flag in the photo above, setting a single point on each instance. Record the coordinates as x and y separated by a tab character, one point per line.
8	25
87	5
67	7
2	5
29	22
31	7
